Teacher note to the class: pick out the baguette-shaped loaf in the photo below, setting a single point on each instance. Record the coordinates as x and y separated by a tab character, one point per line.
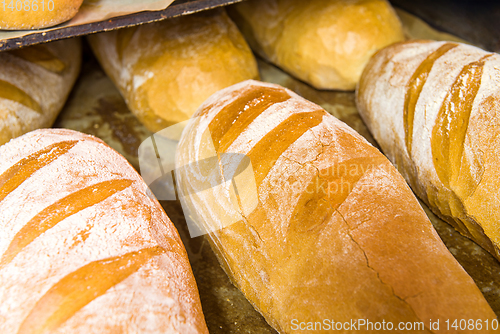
335	234
165	70
83	248
34	85
24	15
325	43
434	108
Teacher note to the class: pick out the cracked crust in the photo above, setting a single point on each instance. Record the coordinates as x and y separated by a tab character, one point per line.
336	233
434	109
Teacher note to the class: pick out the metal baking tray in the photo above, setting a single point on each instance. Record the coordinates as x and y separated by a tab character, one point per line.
177	8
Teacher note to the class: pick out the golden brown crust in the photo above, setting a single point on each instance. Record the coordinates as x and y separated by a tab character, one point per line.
335	234
433	108
84	249
324	43
34	85
46	14
166	70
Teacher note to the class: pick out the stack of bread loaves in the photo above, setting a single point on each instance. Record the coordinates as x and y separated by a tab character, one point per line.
311	222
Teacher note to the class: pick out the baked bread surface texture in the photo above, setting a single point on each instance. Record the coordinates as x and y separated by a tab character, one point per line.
335	234
34	85
434	108
165	70
46	14
83	248
324	43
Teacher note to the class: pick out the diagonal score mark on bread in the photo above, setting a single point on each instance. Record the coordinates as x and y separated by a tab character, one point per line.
22	170
41	56
13	93
241	113
57	212
265	153
81	287
271	146
449	131
414	88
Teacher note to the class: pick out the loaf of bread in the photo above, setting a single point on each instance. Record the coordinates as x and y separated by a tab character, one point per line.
34	85
165	70
24	15
322	42
83	248
333	232
434	108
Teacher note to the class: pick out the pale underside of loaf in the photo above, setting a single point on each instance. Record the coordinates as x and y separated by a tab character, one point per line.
363	251
83	249
34	85
433	108
45	14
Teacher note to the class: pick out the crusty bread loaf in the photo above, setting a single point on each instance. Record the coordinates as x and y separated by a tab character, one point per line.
322	42
165	70
434	108
34	85
335	234
83	248
24	15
